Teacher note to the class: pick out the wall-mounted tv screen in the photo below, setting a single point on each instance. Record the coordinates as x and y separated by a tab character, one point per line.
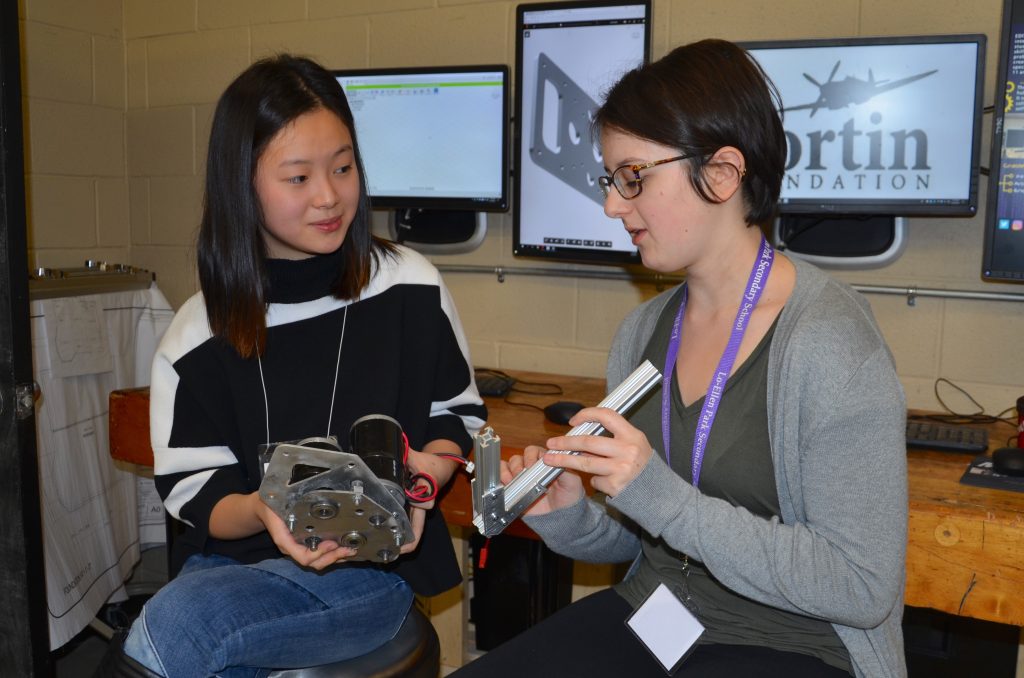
433	137
568	54
880	126
1003	257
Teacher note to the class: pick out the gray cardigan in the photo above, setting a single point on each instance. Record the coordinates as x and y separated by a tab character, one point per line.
836	424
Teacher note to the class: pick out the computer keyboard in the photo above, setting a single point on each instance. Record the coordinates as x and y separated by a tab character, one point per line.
946	437
492	383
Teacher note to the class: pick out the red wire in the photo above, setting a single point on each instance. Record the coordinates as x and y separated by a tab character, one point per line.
420	493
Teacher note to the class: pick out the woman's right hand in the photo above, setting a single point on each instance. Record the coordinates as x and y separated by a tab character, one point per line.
327	552
565	491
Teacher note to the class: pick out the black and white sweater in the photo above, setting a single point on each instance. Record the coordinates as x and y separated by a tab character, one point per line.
403	355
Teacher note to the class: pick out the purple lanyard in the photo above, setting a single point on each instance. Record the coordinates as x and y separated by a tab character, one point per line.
758	277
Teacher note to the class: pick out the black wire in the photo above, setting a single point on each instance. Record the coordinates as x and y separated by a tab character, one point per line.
421	497
553	389
963	418
540	387
487	371
522	405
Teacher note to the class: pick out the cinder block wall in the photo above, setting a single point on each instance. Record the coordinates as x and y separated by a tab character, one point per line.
73	88
120	93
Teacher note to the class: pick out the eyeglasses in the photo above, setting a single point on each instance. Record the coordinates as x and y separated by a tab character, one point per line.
627	179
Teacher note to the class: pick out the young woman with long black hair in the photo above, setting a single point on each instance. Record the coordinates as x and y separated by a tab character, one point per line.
305	323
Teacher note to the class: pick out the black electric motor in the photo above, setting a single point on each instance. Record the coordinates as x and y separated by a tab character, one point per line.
378	440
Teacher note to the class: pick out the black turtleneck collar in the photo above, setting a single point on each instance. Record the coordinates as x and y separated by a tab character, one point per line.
295	281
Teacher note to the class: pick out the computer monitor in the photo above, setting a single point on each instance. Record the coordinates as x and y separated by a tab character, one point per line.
878	129
434	143
879	126
568	54
1003	255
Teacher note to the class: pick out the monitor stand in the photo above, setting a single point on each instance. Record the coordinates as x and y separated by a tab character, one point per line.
438	231
841	241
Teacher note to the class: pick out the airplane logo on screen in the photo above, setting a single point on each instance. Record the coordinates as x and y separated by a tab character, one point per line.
835	94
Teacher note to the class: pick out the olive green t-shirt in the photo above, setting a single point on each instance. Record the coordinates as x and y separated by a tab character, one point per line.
737	468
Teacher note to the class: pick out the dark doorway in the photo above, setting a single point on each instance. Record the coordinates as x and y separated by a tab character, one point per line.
24	638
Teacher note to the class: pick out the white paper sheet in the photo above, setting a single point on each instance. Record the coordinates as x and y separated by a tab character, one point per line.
84	348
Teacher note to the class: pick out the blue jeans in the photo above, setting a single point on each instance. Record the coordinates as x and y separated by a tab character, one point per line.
219	617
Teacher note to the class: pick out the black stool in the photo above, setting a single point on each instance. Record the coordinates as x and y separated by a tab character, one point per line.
414	652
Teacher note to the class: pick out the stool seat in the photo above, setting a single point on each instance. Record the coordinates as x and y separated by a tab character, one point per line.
414	652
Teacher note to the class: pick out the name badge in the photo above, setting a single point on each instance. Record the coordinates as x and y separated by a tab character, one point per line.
665	627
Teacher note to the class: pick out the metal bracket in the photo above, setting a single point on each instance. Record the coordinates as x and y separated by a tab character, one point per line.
327	494
25	397
576	163
495	505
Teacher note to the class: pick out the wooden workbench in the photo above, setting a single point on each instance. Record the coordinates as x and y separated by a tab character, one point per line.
965	552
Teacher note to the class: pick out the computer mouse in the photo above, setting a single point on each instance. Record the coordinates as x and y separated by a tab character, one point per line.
561	412
1008	461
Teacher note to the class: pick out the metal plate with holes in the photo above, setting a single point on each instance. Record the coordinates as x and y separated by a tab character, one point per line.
576	161
326	494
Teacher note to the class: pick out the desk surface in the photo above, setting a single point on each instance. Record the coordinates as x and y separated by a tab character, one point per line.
965	552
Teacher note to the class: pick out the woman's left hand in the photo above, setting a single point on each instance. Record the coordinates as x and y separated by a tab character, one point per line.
613	462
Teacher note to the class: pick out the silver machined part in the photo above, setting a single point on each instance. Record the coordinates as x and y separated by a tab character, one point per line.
353	540
324	510
486	480
321	442
343	502
499	505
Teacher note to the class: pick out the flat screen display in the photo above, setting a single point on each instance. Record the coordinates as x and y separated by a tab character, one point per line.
1003	257
880	126
568	55
432	137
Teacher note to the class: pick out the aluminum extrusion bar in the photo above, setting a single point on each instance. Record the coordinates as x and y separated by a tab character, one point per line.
496	506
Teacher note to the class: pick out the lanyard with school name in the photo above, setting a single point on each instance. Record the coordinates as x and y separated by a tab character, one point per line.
758	277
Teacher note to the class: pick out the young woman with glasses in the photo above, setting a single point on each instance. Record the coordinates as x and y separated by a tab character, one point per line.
764	484
305	324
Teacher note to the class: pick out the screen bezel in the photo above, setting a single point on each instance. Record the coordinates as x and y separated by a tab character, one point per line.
895	207
572	254
452	202
996	151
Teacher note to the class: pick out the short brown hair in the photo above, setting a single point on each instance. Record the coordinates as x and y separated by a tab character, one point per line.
699	98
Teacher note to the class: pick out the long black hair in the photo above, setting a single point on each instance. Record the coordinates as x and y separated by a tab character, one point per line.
266	97
699	98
